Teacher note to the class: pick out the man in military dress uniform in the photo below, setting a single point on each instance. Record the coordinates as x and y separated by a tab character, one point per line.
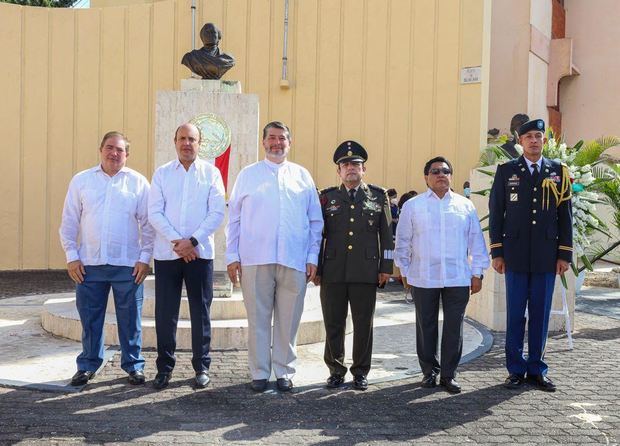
356	256
531	241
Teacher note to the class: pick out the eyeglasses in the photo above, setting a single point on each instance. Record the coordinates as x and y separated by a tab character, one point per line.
437	171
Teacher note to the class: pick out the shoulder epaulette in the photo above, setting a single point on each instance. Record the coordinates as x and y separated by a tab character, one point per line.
328	189
378	188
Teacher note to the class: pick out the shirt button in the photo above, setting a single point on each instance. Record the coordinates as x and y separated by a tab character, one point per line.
534	211
534	200
350	247
533	222
352	219
352	206
535	189
331	215
350	232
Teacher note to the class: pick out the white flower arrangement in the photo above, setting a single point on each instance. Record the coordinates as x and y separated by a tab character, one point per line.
583	201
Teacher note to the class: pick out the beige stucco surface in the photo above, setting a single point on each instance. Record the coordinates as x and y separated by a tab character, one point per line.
518	80
383	72
510	31
589	102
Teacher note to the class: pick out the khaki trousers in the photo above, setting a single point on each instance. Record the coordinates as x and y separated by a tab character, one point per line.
272	292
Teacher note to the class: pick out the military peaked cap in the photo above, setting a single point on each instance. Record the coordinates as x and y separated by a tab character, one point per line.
350	151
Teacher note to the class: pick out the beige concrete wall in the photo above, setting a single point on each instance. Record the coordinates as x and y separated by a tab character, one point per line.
589	102
384	72
510	42
518	79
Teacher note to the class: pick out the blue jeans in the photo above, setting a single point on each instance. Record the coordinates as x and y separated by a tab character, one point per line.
91	302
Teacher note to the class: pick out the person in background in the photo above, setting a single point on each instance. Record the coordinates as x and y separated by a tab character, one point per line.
517	121
403	199
394	209
466	189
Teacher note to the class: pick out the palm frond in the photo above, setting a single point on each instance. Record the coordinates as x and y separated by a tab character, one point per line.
608	141
491	154
590	152
487	172
602	171
483	192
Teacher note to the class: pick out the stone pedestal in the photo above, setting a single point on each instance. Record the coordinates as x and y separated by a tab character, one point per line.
223	98
489	305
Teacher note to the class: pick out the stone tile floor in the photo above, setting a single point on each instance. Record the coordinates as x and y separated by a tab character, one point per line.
584	411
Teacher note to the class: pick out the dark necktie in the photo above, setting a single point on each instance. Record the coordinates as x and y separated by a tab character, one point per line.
352	194
535	173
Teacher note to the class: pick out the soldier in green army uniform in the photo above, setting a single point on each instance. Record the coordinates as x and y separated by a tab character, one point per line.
356	257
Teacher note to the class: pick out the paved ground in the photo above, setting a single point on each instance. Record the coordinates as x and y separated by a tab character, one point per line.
30	356
584	410
24	283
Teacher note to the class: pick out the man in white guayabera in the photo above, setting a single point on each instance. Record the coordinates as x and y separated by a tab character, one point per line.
273	241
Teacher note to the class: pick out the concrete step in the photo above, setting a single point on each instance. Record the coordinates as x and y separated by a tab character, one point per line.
60	317
222	287
222	308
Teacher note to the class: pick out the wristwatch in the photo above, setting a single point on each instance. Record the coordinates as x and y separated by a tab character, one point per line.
194	241
478	276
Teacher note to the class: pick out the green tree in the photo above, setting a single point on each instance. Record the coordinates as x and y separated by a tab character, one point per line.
44	3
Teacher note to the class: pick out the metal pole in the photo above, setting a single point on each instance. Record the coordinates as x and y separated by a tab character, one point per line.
284	81
193	24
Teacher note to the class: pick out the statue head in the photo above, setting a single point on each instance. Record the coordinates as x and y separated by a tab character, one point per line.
210	34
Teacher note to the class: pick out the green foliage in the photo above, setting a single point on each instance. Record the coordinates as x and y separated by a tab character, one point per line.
611	192
590	152
492	154
42	3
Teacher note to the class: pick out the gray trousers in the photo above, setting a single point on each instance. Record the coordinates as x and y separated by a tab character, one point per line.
272	291
454	301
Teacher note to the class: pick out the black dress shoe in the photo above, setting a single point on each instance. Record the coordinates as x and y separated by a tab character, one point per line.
360	382
514	381
258	385
161	380
202	379
81	377
429	381
136	377
541	382
334	381
284	384
450	384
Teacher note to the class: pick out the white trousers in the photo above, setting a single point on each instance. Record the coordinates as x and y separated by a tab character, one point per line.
272	291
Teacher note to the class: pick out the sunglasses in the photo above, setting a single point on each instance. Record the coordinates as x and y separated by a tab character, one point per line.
437	171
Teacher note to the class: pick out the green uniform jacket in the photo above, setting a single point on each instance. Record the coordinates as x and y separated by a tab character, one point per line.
357	237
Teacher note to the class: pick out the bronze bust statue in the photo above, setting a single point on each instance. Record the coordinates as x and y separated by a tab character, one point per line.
208	62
